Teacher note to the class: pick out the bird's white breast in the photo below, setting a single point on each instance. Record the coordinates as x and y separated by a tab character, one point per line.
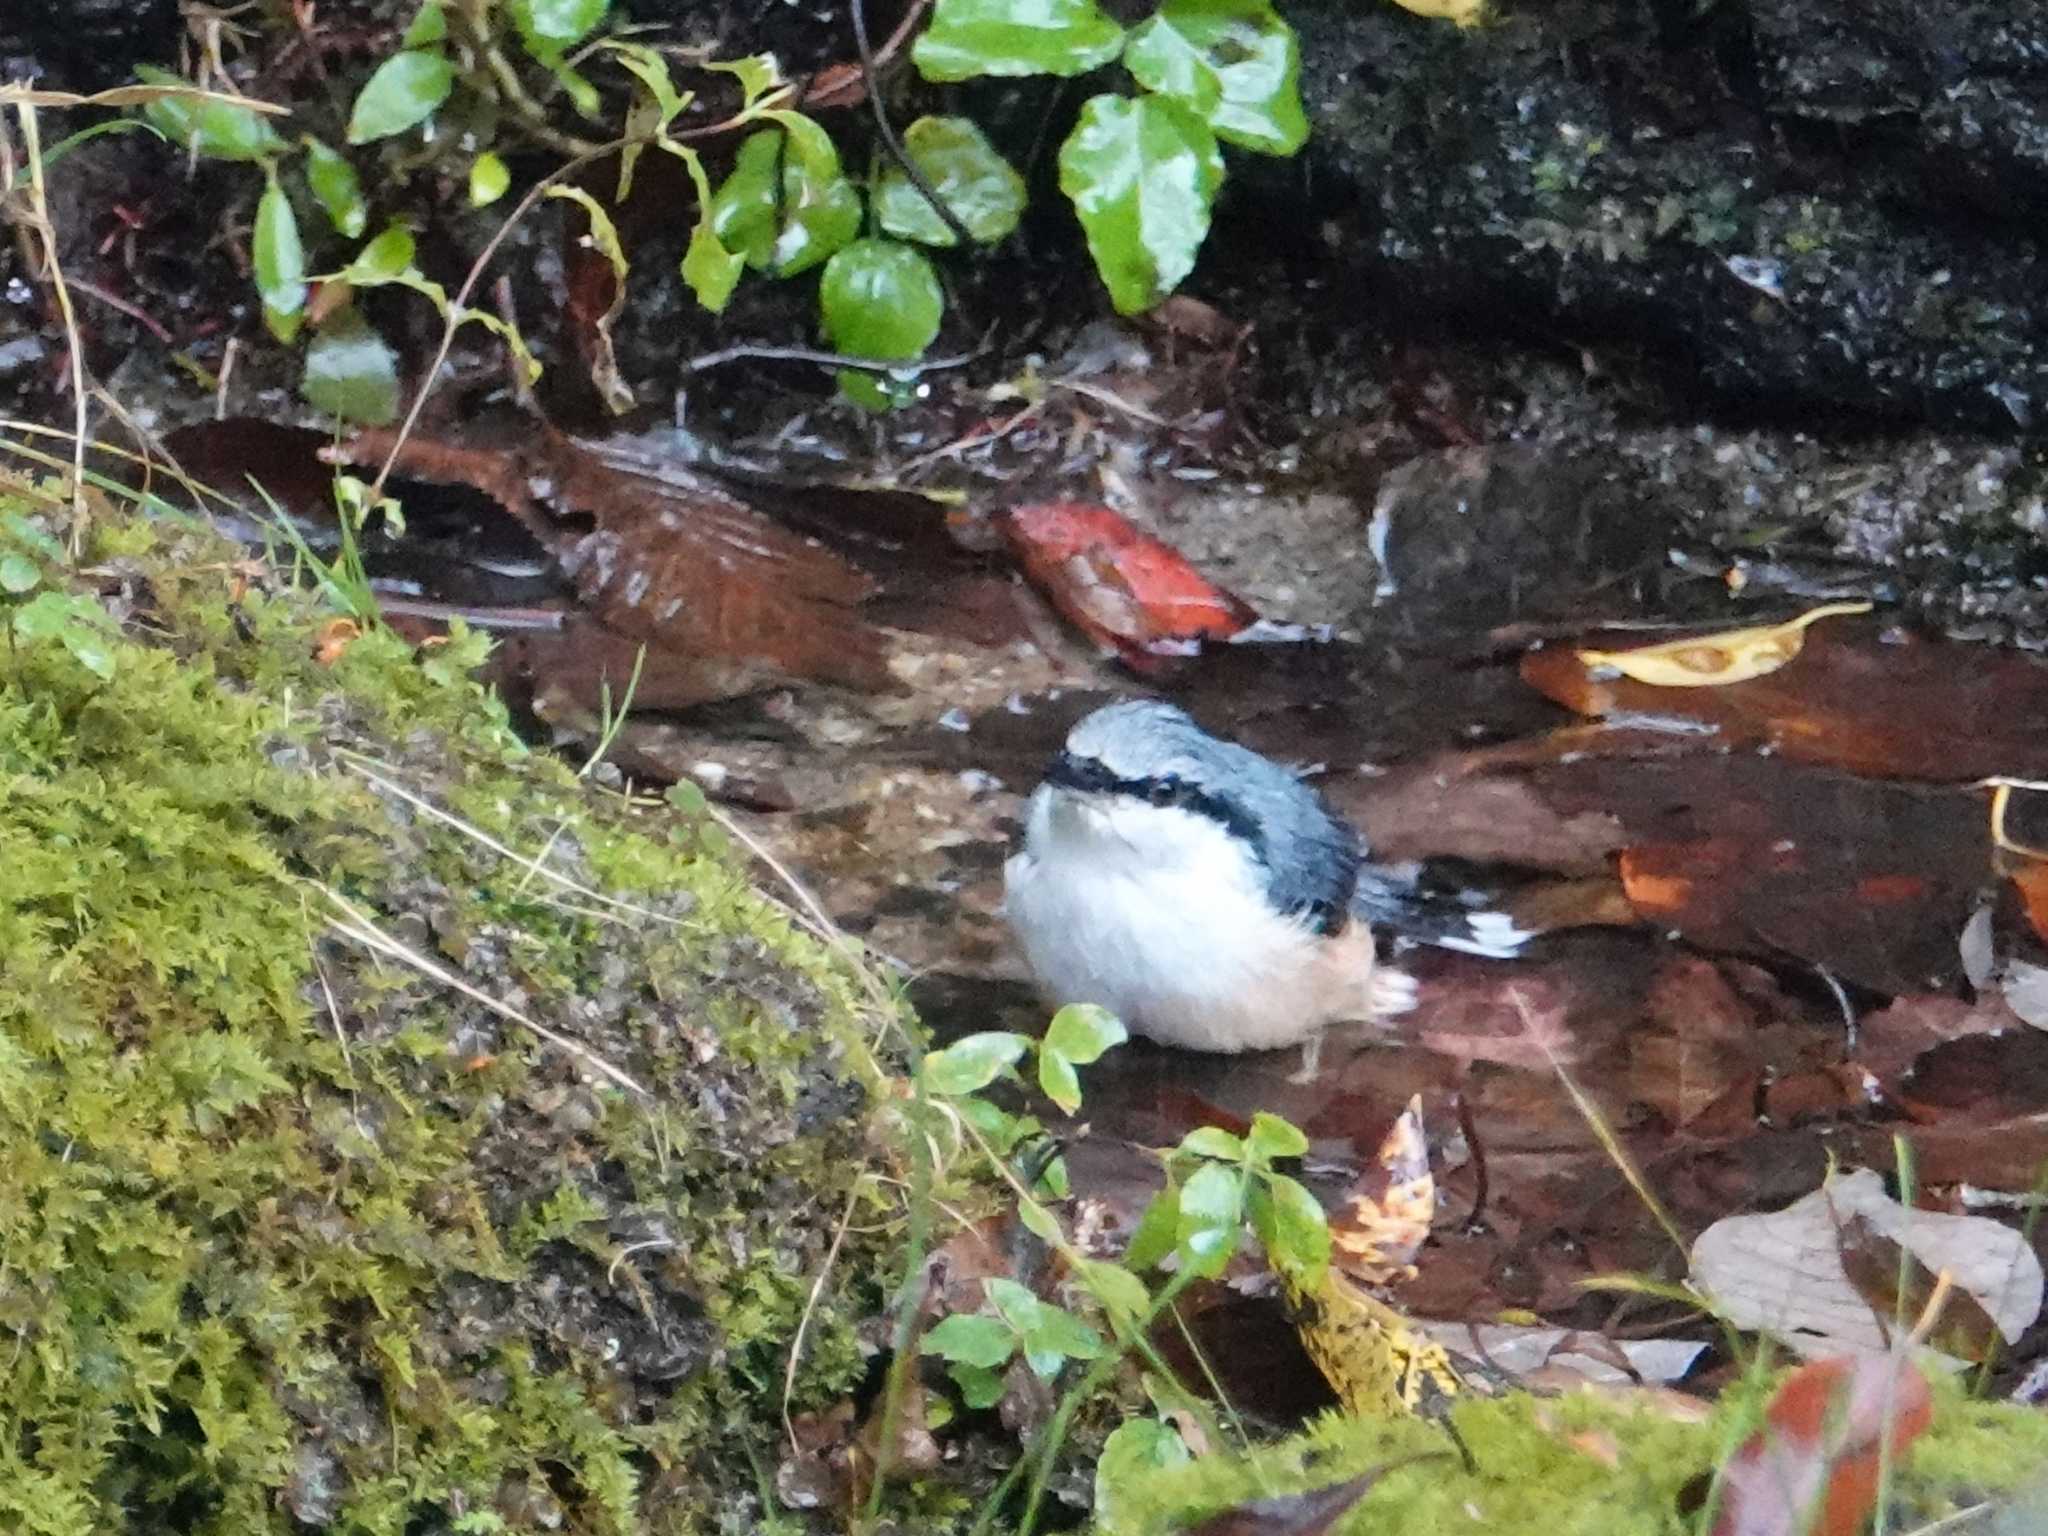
1161	916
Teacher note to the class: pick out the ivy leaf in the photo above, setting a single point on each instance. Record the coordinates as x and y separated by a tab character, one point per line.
18	574
550	28
1271	1137
403	91
816	213
971	1339
219	130
1081	1032
1234	63
971	1064
1212	1141
1296	1234
351	371
1157	1230
979	1387
280	262
336	188
1142	176
1211	1212
1003	37
489	177
880	299
977	184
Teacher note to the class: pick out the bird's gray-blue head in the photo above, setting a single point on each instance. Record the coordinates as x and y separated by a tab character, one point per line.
1148	751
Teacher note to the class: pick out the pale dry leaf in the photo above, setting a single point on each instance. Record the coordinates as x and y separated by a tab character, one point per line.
1782	1272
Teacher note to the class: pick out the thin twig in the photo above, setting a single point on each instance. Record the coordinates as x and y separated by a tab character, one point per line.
910	167
906	366
133	311
46	233
796	1345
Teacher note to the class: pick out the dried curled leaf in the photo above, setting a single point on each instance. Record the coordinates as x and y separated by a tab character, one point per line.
1463	13
1384	1218
1708	661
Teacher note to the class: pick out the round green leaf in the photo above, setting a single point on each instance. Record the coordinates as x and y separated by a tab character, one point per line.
403	91
979	1387
1122	1294
1015	37
1272	1137
383	259
1142	175
549	28
1157	1230
1296	1233
971	1064
818	211
336	188
1212	1141
975	182
1134	1448
1018	1304
1056	1076
489	176
280	261
881	299
351	372
1211	1213
18	574
1081	1032
1233	62
1059	1331
971	1339
220	130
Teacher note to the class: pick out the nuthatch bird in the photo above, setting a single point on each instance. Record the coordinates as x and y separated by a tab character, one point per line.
1208	897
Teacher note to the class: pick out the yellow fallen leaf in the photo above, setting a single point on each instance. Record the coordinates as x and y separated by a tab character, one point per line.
1708	661
1378	1364
1465	13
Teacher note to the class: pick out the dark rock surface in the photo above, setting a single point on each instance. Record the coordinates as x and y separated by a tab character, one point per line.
1825	205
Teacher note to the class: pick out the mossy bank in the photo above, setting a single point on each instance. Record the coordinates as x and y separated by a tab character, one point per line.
296	1234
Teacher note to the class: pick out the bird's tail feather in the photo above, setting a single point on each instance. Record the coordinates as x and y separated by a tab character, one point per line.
1403	903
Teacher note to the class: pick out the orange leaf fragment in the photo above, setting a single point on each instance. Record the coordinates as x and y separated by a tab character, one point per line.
335	637
1126	590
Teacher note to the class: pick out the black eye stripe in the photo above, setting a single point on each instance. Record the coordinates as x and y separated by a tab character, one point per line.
1090	775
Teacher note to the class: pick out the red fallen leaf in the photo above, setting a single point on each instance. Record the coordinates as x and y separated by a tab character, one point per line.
1127	591
2031	882
1812	1470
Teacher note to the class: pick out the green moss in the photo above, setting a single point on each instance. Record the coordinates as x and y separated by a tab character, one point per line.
290	1233
1532	1477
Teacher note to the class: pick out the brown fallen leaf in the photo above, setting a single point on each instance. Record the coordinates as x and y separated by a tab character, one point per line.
1897	1285
1382	1221
1813	1468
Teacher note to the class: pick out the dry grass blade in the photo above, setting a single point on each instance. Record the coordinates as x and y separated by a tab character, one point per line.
35	218
353	924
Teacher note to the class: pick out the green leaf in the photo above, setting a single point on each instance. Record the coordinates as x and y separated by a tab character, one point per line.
219	130
757	73
1081	1032
1271	1137
280	261
1142	176
489	177
1015	37
1235	63
975	182
1212	1141
383	260
979	1386
650	68
1122	1294
18	574
971	1339
1056	1076
404	91
1060	1332
1211	1214
710	269
1294	1230
336	188
550	28
351	371
971	1064
430	25
79	624
880	299
1039	1222
818	211
1156	1232
1018	1304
